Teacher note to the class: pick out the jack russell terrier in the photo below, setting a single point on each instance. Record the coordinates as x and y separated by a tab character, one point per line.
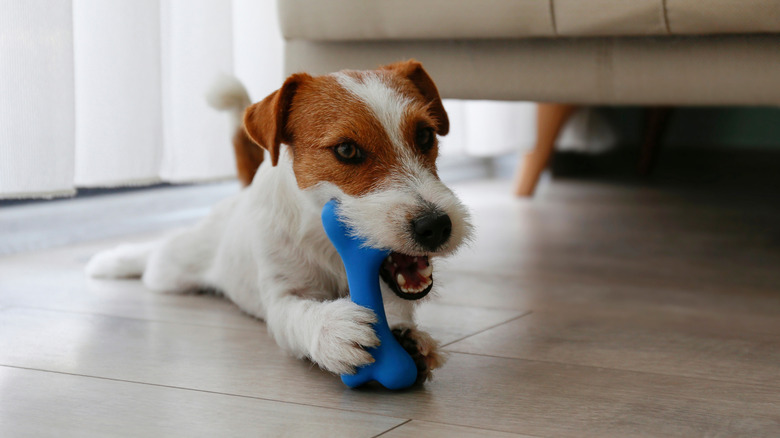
366	138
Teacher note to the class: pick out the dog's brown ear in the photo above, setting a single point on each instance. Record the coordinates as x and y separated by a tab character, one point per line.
265	121
415	72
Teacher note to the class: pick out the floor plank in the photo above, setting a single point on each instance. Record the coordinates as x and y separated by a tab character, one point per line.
541	290
613	244
449	323
682	343
512	395
39	225
595	309
54	280
36	403
427	429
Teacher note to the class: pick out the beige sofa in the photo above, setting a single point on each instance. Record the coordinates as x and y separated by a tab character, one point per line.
650	52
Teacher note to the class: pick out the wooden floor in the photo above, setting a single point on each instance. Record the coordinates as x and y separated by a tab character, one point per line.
596	309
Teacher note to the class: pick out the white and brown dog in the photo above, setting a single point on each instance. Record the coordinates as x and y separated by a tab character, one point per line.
367	138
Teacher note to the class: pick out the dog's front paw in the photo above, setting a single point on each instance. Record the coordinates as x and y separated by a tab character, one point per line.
345	330
423	349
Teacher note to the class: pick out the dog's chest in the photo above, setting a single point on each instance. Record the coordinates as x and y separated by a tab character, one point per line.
303	256
326	268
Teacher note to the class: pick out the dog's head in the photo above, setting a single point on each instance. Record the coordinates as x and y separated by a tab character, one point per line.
369	139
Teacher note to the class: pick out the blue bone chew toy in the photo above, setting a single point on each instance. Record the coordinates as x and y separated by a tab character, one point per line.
393	368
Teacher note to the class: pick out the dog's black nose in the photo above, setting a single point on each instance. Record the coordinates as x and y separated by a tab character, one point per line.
432	229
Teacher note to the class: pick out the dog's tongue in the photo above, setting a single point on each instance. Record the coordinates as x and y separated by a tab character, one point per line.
412	273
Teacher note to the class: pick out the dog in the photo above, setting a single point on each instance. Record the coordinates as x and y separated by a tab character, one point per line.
366	138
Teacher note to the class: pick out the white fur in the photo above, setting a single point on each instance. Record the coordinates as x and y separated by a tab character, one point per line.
380	217
228	93
387	105
266	250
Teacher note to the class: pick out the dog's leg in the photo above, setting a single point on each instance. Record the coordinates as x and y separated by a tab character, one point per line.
173	264
178	264
331	333
124	261
419	344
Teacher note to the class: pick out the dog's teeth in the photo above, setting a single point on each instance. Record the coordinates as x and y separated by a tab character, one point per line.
426	272
400	280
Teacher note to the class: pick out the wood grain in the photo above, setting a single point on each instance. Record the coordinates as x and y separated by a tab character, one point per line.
597	309
427	429
511	395
736	348
36	403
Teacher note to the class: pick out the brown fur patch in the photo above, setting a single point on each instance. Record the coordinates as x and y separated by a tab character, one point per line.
249	156
416	75
315	114
324	115
266	120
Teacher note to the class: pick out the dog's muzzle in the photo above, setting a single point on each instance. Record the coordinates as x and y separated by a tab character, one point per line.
432	229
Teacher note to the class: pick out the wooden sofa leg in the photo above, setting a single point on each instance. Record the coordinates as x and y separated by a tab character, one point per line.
550	118
656	119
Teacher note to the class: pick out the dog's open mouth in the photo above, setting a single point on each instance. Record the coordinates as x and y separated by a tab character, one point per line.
410	277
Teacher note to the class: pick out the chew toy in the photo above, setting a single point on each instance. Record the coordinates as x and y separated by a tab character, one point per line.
393	368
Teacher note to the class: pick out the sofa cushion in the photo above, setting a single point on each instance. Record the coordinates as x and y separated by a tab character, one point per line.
357	20
676	70
340	20
723	16
609	17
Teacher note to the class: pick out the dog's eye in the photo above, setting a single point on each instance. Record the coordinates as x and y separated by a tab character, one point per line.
348	152
426	138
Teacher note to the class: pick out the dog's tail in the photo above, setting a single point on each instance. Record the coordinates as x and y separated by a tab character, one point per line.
124	261
229	94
